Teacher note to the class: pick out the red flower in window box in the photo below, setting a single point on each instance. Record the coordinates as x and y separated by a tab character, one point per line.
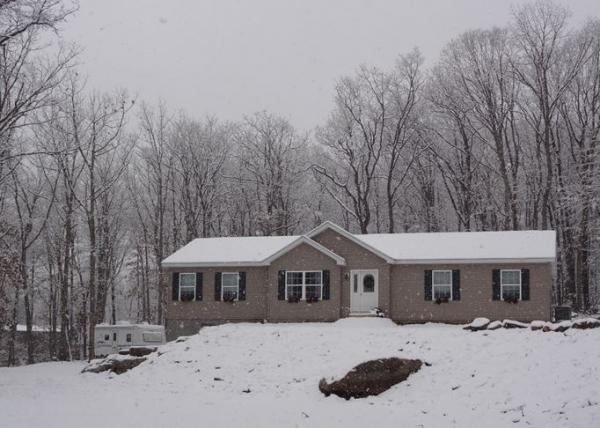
187	298
229	298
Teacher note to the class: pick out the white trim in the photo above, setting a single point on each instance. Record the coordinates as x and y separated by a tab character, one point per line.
470	261
305	240
238	284
331	225
433	285
213	264
267	262
511	285
179	285
303	284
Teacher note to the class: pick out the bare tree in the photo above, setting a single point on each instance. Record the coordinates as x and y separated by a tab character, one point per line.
28	80
272	167
354	139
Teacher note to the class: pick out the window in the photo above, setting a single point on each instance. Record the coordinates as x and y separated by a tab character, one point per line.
304	285
293	285
152	336
368	283
187	287
313	285
230	286
128	337
107	337
510	284
114	337
442	284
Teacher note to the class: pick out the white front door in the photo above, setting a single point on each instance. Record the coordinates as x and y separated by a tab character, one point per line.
364	290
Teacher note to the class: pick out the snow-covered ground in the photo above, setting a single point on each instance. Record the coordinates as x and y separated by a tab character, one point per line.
267	375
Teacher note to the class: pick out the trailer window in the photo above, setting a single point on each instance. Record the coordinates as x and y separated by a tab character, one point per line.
128	337
114	337
107	337
152	336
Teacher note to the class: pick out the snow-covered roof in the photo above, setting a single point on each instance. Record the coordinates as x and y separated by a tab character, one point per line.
240	251
530	245
451	247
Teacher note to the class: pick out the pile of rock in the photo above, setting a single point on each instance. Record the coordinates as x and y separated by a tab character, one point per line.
121	362
114	363
479	324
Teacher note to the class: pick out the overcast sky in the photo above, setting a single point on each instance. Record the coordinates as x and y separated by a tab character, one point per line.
230	58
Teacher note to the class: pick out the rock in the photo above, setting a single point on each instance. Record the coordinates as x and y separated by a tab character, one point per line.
537	325
586	323
557	327
141	351
514	324
371	378
478	324
115	363
494	325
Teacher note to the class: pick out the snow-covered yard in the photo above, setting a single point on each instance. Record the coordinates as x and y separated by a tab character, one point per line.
267	376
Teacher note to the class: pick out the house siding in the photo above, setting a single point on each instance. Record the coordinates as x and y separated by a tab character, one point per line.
185	318
408	303
357	257
304	258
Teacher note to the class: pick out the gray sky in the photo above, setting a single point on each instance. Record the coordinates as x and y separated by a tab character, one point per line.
230	58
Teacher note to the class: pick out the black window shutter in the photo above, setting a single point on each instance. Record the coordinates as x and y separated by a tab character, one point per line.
199	286
281	285
326	285
217	286
242	286
525	284
175	285
496	284
427	288
456	284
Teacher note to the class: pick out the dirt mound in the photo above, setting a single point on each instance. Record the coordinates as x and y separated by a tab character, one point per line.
371	378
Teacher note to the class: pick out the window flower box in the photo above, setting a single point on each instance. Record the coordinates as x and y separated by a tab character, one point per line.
512	299
441	300
312	299
187	297
229	298
293	299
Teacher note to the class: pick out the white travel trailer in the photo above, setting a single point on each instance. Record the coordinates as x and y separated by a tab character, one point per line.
110	339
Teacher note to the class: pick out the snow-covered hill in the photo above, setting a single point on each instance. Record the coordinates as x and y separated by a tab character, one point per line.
256	375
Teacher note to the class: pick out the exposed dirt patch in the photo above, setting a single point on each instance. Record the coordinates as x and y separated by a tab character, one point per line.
116	363
371	378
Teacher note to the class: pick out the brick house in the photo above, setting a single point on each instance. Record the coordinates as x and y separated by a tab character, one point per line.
330	273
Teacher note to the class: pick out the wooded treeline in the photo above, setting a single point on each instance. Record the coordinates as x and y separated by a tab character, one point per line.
500	133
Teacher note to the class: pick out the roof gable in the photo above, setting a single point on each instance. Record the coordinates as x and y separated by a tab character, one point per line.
340	230
306	240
